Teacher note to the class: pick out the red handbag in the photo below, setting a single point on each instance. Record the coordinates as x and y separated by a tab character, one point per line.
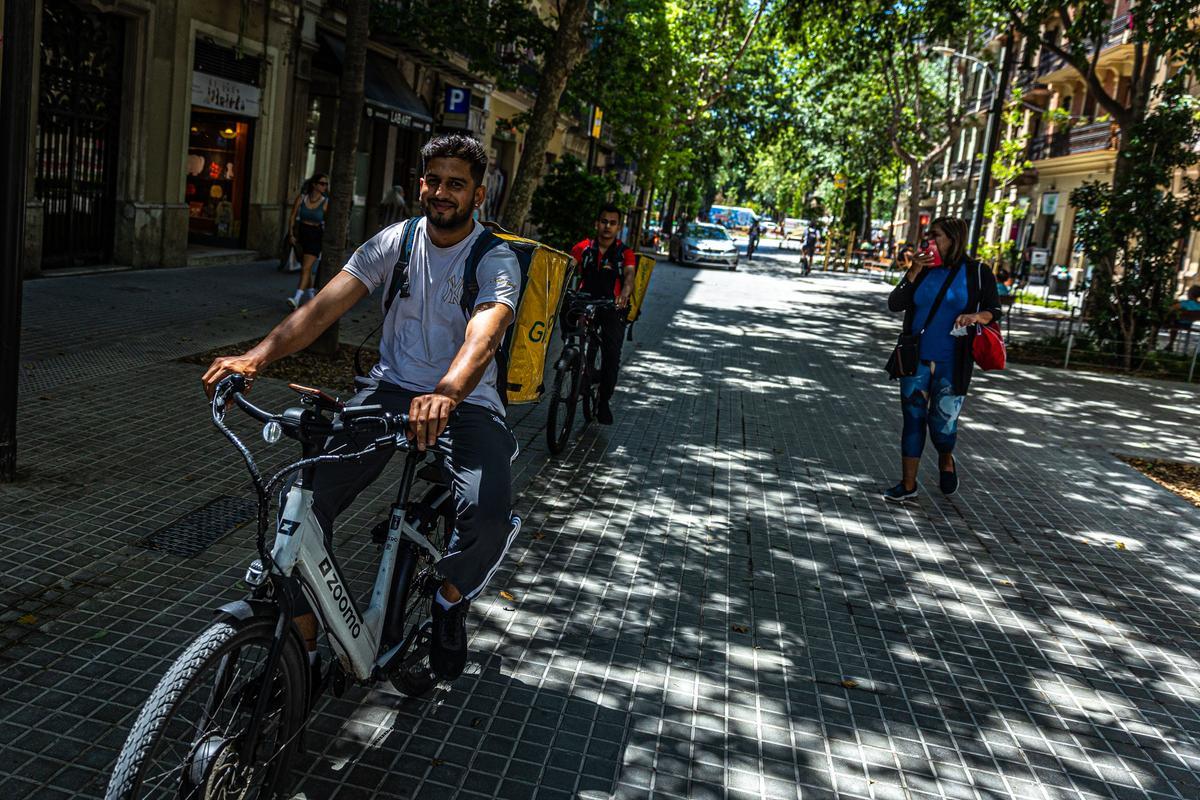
987	346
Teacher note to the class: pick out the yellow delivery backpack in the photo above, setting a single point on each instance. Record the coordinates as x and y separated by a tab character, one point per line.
641	283
544	274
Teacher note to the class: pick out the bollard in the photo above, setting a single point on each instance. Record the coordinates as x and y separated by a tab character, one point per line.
1192	370
1070	344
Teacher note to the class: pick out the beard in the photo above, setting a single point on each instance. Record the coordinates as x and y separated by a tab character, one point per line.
445	220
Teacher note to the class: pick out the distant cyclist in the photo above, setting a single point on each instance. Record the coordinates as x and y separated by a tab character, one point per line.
437	364
606	269
754	235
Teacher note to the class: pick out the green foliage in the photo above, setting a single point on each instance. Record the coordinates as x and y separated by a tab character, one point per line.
1133	231
503	38
564	206
1029	298
684	98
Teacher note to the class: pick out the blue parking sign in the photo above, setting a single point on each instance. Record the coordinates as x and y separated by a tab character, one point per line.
458	100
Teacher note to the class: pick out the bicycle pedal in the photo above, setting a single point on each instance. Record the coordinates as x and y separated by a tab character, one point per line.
379	533
337	680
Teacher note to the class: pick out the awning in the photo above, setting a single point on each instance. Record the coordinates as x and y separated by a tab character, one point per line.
387	95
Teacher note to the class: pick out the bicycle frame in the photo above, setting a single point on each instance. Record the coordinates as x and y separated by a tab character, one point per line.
299	550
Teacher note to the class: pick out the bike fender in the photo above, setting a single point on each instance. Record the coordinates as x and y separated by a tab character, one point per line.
247	608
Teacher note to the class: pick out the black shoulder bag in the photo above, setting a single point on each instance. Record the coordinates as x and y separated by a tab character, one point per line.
904	358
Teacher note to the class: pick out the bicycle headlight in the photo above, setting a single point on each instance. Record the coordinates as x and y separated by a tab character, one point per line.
272	432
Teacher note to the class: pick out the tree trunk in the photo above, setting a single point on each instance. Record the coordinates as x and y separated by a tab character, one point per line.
570	43
345	156
667	225
913	232
868	220
895	209
636	215
649	205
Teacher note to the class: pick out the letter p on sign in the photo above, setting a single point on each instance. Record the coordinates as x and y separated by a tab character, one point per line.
458	100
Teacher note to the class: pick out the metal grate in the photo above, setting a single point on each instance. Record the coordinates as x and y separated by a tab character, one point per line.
225	62
195	531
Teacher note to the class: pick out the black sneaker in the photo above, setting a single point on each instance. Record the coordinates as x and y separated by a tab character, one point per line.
448	650
948	481
898	494
604	413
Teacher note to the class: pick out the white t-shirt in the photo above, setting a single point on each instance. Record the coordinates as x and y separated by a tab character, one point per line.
424	332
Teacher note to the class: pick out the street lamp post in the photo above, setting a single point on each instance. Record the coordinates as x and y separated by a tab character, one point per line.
991	135
16	97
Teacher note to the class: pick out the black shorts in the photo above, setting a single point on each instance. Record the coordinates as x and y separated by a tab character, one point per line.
308	238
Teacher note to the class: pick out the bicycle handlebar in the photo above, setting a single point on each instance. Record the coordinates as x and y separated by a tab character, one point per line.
306	425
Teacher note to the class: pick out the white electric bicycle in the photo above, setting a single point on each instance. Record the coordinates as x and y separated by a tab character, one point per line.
227	716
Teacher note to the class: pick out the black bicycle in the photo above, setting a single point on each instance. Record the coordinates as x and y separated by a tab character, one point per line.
226	717
577	370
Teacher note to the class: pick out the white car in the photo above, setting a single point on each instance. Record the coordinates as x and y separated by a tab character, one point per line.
702	243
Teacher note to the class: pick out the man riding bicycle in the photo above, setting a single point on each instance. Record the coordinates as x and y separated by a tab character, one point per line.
437	366
606	269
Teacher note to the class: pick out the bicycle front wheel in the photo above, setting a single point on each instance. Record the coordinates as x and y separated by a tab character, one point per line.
188	741
561	417
589	389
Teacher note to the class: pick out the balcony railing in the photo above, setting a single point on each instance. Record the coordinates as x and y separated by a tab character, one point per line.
958	170
1049	61
1083	139
1116	30
985	100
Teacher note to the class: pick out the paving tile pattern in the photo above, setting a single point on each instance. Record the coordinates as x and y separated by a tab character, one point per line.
710	600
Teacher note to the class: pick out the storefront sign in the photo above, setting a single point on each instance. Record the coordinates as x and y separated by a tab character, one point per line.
209	91
1039	257
401	119
1050	203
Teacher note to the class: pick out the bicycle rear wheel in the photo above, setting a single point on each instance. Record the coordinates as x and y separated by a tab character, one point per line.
561	416
187	742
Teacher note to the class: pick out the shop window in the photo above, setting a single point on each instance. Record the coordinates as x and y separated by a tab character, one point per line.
217	178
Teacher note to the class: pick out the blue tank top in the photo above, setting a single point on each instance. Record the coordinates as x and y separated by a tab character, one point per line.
316	215
936	342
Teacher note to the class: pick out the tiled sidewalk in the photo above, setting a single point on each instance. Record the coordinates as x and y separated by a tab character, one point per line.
710	599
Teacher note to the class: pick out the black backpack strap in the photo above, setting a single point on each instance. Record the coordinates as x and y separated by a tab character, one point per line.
398	285
399	282
940	296
484	244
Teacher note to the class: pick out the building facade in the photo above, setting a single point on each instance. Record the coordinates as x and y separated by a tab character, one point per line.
1069	141
173	132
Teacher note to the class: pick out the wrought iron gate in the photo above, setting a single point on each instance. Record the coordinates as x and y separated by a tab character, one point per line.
79	108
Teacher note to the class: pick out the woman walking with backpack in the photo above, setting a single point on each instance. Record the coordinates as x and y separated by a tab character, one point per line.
307	224
944	295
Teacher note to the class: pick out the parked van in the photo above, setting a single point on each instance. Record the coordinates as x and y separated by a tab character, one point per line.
736	217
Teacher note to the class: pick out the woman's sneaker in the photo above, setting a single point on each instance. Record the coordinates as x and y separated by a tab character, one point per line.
898	494
948	482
